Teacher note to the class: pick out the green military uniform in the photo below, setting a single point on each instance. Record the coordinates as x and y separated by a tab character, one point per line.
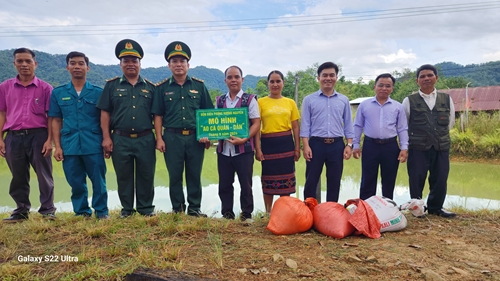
134	157
178	104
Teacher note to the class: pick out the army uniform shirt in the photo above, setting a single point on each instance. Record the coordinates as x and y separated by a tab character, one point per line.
178	104
129	105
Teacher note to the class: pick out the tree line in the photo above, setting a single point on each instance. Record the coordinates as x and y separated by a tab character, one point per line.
52	69
451	75
307	84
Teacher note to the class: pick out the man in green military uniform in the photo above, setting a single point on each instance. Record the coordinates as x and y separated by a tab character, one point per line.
174	106
126	122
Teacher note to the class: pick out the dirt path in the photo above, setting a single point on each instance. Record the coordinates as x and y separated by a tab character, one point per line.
432	248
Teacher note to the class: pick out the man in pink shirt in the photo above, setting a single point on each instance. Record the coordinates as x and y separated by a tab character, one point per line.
24	102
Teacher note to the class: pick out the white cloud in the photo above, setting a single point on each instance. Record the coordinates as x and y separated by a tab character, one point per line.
492	56
363	47
400	56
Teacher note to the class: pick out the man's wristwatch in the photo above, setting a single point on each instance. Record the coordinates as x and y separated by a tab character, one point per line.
349	145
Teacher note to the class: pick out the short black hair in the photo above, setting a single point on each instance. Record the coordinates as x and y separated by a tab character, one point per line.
326	65
386	75
275	72
24	50
225	72
427	67
76	54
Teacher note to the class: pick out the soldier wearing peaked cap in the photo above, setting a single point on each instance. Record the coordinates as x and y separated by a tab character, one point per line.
126	122
174	106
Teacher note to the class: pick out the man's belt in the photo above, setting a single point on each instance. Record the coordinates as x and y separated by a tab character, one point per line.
27	131
329	140
381	141
132	135
185	132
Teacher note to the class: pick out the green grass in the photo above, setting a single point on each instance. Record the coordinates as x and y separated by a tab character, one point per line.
479	139
108	250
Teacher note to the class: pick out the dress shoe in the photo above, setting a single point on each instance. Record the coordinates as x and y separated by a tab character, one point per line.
49	216
228	216
151	214
442	213
85	215
16	218
103	217
196	213
177	211
125	215
245	216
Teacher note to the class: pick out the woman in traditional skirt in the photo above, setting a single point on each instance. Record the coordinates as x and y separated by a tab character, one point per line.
279	145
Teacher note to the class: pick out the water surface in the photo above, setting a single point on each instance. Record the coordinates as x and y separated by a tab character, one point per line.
471	186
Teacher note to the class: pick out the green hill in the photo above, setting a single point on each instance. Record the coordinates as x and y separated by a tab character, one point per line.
52	68
484	74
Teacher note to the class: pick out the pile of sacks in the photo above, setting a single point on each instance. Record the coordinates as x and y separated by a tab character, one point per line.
368	217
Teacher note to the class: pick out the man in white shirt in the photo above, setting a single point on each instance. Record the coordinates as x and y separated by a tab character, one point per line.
237	154
430	116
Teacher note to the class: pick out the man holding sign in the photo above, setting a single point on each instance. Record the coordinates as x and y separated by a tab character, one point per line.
174	105
236	154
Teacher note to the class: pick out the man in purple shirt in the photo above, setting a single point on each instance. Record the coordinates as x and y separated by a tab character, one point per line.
383	121
326	120
24	102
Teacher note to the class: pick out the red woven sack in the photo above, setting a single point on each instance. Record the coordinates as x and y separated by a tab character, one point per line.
364	219
332	219
289	216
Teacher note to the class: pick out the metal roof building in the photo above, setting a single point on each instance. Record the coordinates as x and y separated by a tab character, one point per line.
481	98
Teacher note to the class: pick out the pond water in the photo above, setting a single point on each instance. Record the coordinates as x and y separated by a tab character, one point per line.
471	186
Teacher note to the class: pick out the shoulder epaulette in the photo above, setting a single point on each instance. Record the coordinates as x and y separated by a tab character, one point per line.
197	79
114	78
161	82
149	82
59	86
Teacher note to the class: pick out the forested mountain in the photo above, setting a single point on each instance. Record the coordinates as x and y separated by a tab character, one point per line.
52	68
484	74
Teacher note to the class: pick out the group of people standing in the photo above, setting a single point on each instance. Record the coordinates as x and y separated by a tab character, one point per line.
86	124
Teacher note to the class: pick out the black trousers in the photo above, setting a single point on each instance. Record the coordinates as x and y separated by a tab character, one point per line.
437	164
331	155
376	155
21	152
242	165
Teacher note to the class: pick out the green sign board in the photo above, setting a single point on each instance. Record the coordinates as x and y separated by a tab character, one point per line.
216	124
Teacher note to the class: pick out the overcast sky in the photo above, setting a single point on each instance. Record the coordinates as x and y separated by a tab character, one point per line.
366	37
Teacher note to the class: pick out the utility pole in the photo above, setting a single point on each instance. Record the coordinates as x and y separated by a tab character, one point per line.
467	103
297	89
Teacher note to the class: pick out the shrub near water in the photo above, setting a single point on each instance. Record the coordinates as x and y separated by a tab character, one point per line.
481	138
